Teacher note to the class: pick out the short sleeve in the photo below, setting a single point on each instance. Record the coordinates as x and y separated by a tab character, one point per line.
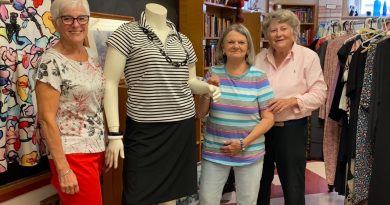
49	71
266	93
120	39
190	49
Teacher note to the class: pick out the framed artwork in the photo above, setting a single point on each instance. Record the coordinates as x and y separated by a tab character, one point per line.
101	26
5	2
258	5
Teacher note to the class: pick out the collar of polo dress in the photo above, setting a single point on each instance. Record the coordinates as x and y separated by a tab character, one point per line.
150	36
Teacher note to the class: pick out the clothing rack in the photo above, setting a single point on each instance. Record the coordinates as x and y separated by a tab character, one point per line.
335	26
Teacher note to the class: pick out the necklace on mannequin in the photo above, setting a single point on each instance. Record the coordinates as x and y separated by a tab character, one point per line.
149	34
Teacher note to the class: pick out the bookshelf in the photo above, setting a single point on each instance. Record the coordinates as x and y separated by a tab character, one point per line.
307	14
203	22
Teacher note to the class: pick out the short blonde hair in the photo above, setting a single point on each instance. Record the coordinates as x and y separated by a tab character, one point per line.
282	16
221	58
58	5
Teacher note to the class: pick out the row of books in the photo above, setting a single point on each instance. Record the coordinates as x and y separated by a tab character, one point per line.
224	2
210	51
306	37
305	15
214	25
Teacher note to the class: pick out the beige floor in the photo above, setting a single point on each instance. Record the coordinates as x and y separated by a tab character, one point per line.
316	199
311	199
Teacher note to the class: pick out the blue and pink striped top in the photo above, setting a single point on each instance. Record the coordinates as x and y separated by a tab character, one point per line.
236	114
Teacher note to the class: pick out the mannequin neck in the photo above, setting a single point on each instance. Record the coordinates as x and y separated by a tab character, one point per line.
156	16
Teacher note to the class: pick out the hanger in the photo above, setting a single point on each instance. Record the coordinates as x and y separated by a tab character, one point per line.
366	22
379	23
384	24
381	33
352	26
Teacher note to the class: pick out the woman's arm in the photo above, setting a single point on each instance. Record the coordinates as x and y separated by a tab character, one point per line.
266	123
317	88
233	147
202	106
48	102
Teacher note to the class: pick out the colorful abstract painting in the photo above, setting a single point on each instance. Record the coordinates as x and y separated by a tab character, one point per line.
25	32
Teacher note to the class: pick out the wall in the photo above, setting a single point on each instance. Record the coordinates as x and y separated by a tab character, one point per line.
33	197
326	14
296	1
134	7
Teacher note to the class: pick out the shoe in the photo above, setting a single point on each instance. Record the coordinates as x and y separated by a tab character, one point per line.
226	197
330	188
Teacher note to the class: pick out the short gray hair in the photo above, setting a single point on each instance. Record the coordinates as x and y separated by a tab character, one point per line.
221	58
282	16
59	5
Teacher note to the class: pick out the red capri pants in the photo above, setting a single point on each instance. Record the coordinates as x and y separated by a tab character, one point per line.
87	168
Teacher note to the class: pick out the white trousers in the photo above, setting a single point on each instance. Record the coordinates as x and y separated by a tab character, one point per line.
213	178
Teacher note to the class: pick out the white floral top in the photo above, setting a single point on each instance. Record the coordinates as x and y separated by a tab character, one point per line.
80	110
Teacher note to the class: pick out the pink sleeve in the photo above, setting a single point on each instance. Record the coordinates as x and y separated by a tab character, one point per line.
317	89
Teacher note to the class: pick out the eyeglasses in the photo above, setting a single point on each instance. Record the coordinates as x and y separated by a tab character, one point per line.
69	20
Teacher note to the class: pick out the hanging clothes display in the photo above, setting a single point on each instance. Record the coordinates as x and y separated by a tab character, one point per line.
25	32
332	128
355	123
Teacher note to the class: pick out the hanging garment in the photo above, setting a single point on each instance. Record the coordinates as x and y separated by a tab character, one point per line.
380	178
364	143
332	128
25	32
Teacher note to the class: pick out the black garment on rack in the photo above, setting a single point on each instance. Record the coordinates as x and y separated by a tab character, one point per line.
316	128
380	178
321	51
354	90
336	114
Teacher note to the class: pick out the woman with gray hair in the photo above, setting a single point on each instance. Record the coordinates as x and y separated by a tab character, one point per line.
234	136
69	90
296	77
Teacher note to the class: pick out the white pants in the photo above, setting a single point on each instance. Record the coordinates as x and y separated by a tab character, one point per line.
213	178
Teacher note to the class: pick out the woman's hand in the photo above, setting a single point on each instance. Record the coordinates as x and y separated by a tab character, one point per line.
213	80
68	182
279	105
231	148
214	91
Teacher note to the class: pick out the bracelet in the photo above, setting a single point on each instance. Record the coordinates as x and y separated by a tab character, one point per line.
242	144
114	137
115	133
66	173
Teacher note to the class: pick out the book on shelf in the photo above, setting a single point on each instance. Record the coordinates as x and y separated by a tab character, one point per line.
210	50
214	25
222	2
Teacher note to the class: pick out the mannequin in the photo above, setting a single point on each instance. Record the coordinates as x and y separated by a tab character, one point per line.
155	16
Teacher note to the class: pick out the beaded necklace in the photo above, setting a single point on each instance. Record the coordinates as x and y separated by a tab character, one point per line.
149	34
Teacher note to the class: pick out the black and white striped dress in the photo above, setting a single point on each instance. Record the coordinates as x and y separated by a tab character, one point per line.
160	151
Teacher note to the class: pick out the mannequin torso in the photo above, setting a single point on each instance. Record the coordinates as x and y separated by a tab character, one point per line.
156	17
